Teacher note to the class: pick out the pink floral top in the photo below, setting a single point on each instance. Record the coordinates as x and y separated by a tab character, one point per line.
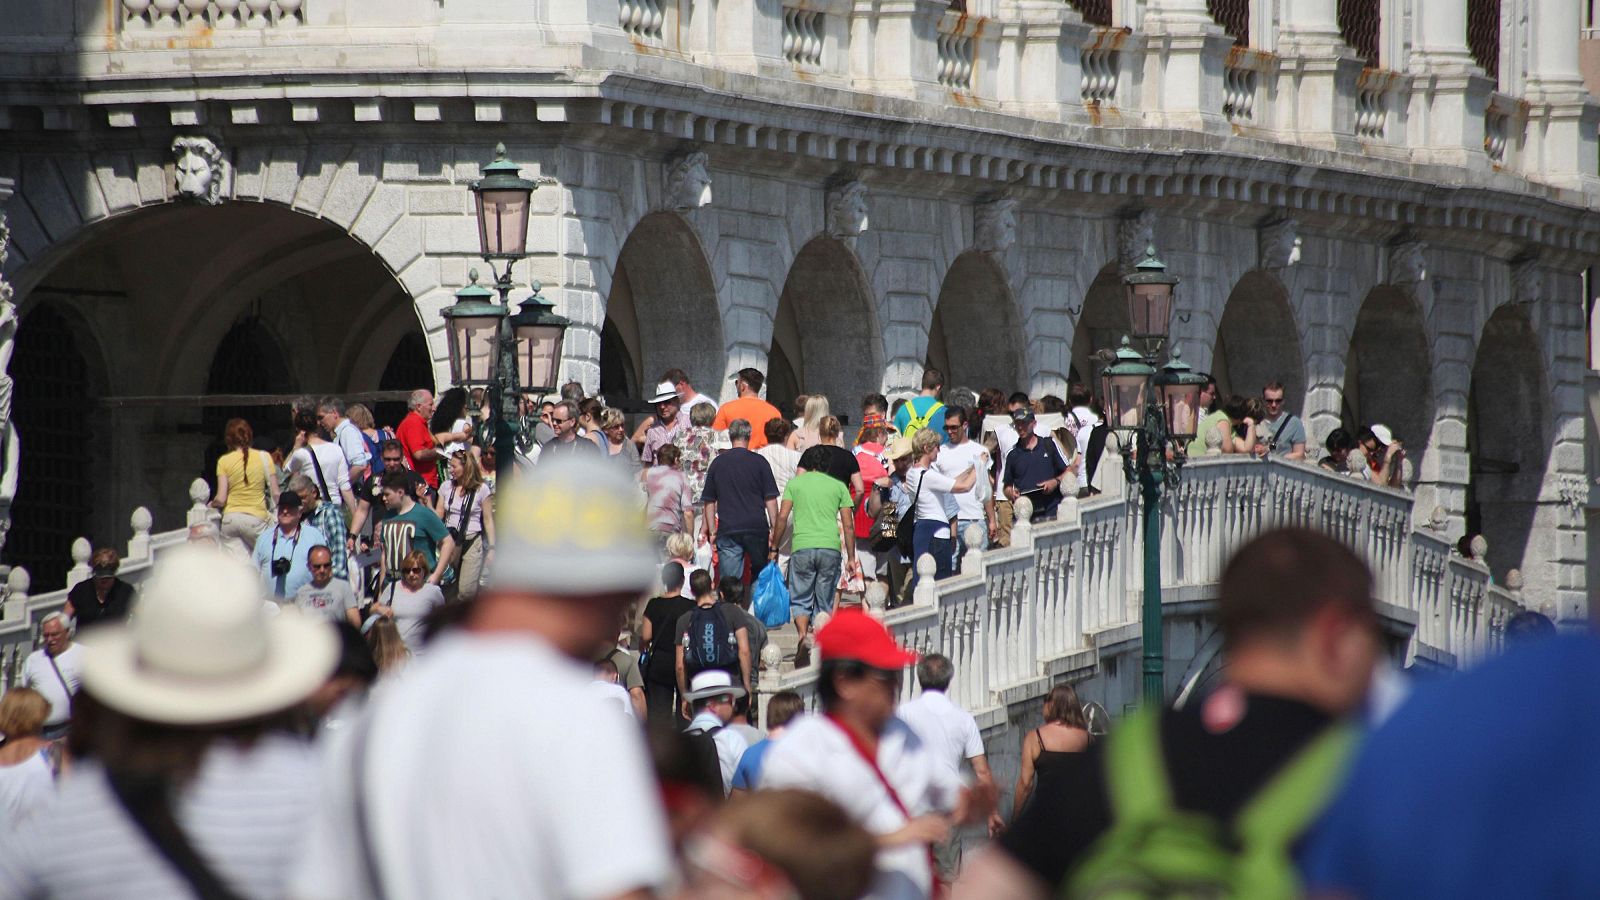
695	443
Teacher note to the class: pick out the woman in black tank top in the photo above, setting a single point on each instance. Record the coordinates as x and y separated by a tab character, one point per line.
1056	745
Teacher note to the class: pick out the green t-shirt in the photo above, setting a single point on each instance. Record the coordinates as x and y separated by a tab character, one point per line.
1197	447
817	499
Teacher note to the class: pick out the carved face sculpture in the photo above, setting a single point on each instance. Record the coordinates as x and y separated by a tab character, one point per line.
848	213
197	169
996	226
689	183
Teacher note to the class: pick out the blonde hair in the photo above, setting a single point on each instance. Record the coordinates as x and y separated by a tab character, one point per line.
829	428
389	650
680	546
22	713
611	417
702	414
471	473
923	441
816	410
360	416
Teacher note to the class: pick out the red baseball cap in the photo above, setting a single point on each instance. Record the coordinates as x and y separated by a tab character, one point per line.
852	634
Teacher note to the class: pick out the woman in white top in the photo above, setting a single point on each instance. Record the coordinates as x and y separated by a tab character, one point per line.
808	434
935	506
409	600
27	779
464	505
321	461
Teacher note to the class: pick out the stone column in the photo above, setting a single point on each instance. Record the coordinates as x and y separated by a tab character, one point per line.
1451	93
1319	75
1184	63
1562	118
1043	41
894	46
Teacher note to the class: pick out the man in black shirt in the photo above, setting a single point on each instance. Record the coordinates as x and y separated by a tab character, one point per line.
1301	638
369	491
103	597
1034	468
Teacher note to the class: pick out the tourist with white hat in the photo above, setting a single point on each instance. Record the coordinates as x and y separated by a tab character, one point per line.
490	768
186	783
666	423
711	695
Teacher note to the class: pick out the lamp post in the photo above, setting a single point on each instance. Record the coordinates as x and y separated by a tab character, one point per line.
1148	408
489	347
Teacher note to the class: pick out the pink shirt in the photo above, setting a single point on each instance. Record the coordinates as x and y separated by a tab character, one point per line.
668	498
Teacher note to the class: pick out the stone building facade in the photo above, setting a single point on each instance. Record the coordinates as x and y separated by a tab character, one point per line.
1385	204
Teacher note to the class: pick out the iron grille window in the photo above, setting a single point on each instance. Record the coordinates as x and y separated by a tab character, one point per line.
1483	35
1234	17
1359	25
410	367
1094	12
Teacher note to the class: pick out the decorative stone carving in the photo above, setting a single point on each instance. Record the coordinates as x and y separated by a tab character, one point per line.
198	169
1279	244
847	210
1134	234
1408	263
994	227
11	452
1525	281
688	182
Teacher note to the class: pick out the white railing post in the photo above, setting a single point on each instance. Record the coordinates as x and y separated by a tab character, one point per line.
1022	529
81	551
200	511
139	544
16	602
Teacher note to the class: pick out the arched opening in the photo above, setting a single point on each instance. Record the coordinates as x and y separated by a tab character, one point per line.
409	368
1388	376
53	394
975	338
825	330
1258	343
1102	322
187	302
1507	437
662	311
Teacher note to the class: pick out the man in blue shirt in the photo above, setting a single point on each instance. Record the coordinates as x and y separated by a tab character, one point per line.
1034	468
924	410
282	553
783	707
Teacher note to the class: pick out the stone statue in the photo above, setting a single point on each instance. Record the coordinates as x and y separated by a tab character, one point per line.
1279	244
198	169
1408	263
688	182
847	210
1134	234
8	338
1525	281
994	226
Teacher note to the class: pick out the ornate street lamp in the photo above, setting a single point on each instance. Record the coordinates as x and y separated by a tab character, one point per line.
489	347
1147	409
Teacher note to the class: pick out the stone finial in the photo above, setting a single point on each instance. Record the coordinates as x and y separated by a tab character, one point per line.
1134	234
994	225
1514	581
1408	263
1022	531
199	497
847	210
926	593
18	581
772	656
81	551
1439	519
139	544
976	536
198	168
1279	244
141	520
1479	546
688	181
876	599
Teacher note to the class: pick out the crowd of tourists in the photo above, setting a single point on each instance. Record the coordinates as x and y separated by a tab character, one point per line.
375	703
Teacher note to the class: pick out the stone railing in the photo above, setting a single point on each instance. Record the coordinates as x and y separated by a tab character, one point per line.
1021	615
19	623
175	15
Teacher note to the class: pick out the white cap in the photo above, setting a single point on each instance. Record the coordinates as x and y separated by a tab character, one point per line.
1383	434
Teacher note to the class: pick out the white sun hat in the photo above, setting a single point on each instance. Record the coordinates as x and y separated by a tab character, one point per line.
664	391
200	649
712	683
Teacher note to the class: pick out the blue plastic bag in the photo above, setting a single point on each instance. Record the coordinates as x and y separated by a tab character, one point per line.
771	603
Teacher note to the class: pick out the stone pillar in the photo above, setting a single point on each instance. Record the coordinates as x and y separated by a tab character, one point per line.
894	46
1184	63
1451	93
1041	59
1319	74
1562	118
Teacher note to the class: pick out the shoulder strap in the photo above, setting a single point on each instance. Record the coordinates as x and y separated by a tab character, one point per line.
1136	776
1281	426
59	677
1277	814
147	803
919	421
316	466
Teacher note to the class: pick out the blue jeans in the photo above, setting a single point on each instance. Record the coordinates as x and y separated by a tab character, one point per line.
733	550
813	576
943	549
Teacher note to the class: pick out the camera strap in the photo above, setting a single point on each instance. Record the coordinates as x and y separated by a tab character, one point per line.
282	581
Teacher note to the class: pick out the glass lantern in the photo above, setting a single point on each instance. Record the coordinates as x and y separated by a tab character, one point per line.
1125	388
539	333
502	197
1150	291
1180	398
472	334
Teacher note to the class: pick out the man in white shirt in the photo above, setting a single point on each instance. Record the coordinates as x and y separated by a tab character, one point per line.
688	397
490	769
960	452
952	735
712	693
860	756
55	671
1005	437
1082	420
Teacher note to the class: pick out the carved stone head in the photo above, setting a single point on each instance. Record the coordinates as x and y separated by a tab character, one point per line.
1134	234
1279	244
994	227
198	169
847	210
688	182
1408	263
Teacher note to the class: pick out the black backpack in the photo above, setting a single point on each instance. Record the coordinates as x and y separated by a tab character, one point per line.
706	760
709	643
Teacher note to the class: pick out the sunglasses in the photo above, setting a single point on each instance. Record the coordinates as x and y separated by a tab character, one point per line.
326	565
411	571
392	459
556	421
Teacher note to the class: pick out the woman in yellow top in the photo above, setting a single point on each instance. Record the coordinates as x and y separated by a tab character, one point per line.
247	487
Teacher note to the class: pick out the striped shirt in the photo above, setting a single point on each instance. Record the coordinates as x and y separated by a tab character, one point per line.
245	813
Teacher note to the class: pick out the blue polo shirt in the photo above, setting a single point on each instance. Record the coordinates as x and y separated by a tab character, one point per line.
1026	469
273	545
748	776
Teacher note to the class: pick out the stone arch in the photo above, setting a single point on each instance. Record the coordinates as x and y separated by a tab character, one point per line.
407	369
826	329
661	311
1258	341
1388	376
975	337
58	379
1102	321
1508	437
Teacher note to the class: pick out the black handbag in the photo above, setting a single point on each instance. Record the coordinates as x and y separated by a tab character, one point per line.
908	522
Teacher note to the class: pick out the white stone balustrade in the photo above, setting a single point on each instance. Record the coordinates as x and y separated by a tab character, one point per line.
172	15
1066	589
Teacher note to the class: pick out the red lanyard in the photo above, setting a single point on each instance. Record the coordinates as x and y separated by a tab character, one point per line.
872	763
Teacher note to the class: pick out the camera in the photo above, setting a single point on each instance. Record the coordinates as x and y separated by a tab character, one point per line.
280	567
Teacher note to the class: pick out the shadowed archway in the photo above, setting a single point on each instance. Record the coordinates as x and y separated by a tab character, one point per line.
975	338
825	328
661	311
1257	342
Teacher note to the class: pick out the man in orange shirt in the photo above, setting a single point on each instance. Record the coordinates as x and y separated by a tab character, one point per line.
749	407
